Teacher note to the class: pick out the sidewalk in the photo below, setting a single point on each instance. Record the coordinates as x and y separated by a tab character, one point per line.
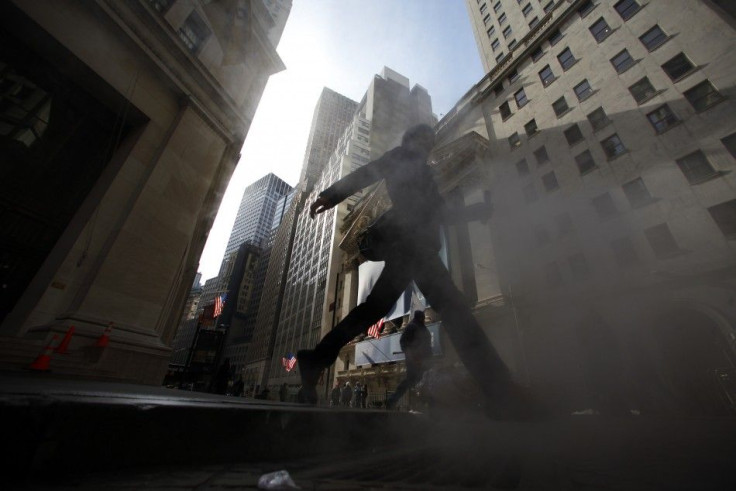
90	435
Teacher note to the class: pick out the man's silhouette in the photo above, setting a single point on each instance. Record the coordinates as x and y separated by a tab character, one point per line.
416	343
414	219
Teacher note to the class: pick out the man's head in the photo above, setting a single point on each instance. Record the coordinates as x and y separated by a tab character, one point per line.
419	138
419	316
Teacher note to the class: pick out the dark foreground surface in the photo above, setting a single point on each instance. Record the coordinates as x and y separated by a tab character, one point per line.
62	434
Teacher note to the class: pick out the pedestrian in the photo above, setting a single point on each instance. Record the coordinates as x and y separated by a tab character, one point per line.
416	343
357	395
364	395
238	387
282	392
335	395
411	235
347	394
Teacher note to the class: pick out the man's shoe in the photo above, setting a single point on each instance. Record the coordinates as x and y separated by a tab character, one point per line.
309	371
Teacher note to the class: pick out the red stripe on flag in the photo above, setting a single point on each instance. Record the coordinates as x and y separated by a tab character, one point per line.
375	329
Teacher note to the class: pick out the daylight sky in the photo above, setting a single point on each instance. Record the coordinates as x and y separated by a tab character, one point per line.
342	44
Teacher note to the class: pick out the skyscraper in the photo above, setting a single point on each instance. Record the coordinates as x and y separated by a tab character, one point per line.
605	137
314	280
331	115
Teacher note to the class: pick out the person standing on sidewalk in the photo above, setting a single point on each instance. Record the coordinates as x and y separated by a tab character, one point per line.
413	224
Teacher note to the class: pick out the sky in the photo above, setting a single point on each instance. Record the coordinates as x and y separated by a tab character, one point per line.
342	44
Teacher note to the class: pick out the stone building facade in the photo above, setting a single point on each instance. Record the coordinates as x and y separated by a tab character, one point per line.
611	147
146	104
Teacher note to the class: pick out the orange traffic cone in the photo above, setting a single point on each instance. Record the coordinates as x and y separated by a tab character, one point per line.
62	348
43	360
105	338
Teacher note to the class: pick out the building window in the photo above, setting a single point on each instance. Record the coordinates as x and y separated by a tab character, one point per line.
491	31
530	194
579	267
483	8
521	99
637	193
724	215
495	44
586	8
548	8
546	76
553	274
533	22
560	106
662	118
627	8
513	76
585	162
499	57
550	182
573	134
502	19
703	95
600	30
696	167
730	143
537	53
512	44
642	90
527	9
194	32
541	155
505	110
498	89
507	32
514	141
531	128
497	7
604	206
624	252
522	168
653	38
566	59
564	223
583	90
622	61
678	67
555	37
661	240
613	146
598	119
486	19
542	236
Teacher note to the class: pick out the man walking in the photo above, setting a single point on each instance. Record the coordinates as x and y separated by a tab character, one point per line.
414	231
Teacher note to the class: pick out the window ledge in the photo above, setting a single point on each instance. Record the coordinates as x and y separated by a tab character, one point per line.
522	105
611	159
547	84
556	42
700	111
570	66
715	175
507	117
673	125
636	62
576	142
564	112
608	35
606	125
652	96
589	171
588	95
529	137
666	40
646	203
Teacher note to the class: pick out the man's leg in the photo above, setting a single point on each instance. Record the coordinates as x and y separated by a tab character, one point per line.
390	284
413	376
471	343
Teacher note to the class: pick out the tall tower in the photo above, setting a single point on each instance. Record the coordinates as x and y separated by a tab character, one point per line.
314	278
331	115
610	159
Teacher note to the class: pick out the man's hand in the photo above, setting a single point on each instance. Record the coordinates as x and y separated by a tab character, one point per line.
321	205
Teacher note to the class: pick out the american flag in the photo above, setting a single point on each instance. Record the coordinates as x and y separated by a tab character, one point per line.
219	304
289	361
375	329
